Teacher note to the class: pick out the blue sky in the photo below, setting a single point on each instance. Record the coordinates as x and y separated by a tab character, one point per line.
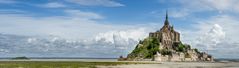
116	25
129	12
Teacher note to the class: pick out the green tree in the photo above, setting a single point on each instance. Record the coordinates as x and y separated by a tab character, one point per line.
181	48
153	47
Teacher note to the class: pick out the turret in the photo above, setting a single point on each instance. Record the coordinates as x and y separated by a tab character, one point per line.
172	29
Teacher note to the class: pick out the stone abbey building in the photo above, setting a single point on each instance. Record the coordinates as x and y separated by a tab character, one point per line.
166	35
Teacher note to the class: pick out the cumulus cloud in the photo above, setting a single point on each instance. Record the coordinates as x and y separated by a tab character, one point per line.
136	35
109	44
125	40
216	35
105	3
212	38
217	43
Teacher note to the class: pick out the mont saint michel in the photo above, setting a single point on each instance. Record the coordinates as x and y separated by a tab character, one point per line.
119	34
165	45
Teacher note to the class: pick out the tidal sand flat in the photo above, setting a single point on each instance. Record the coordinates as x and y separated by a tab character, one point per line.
177	65
109	63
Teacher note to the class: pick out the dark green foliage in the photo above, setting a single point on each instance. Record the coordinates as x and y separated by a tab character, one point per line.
137	50
196	50
165	52
153	47
181	48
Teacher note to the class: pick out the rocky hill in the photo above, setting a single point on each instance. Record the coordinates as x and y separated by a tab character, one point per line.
165	45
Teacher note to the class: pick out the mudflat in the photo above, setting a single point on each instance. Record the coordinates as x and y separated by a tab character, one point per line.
178	65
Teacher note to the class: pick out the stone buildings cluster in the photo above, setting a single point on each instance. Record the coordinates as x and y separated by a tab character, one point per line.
170	39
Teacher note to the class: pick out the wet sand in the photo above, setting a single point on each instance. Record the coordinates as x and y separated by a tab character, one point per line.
178	65
113	63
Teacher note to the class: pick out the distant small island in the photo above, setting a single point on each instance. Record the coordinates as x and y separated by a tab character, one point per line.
22	57
165	45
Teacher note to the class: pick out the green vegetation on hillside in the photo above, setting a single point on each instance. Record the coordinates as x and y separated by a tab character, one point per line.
182	47
152	47
146	49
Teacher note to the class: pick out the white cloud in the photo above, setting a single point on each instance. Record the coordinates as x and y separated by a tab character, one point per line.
123	40
54	5
76	24
105	3
217	43
212	38
134	34
120	43
228	23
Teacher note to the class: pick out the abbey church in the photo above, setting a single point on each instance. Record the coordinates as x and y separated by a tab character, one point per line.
165	45
167	36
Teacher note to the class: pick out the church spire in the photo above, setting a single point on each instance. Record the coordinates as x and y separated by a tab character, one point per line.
166	14
166	20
